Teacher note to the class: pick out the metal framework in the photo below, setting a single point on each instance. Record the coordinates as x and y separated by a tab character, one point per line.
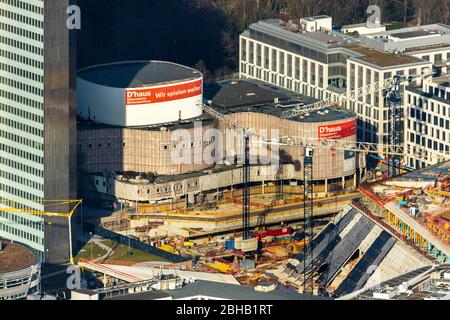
233	124
246	190
394	103
308	228
361	147
245	167
339	99
9	205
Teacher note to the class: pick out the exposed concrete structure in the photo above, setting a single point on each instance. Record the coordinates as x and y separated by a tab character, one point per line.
353	252
137	164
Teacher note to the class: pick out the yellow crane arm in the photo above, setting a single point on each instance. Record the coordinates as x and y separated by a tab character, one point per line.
9	205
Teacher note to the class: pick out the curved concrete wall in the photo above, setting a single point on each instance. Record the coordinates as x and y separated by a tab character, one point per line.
141	150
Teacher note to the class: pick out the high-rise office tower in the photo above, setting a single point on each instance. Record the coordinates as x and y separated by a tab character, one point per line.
37	122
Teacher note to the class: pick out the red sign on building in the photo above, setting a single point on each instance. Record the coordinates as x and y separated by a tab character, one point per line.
338	131
163	94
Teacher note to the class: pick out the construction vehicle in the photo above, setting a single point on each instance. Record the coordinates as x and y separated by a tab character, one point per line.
220	266
10	205
296	247
168	248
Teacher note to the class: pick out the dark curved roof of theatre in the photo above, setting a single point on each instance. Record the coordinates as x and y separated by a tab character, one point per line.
135	74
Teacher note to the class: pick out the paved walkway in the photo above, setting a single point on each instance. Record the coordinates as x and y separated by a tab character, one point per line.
98	242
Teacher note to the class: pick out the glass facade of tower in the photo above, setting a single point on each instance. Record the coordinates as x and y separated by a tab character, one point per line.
22	118
34	46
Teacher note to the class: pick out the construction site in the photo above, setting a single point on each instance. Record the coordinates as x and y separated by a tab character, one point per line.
416	206
311	226
247	187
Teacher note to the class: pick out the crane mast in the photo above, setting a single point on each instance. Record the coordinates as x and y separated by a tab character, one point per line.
308	227
246	190
245	166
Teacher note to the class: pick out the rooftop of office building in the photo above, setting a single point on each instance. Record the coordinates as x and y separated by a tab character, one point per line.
380	58
416	33
442	81
409	39
290	31
426	31
400	40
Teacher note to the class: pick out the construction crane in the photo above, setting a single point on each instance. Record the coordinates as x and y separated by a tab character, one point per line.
392	89
310	145
11	205
393	99
391	85
246	133
392	92
308	205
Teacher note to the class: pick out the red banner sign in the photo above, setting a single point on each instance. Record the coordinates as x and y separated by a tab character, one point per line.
338	131
163	94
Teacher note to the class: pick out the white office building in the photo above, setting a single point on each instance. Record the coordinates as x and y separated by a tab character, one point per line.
427	129
319	62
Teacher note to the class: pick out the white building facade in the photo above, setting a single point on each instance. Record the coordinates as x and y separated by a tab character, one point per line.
322	62
427	130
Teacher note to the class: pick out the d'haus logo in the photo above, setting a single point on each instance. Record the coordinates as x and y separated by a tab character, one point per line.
139	94
338	131
328	130
163	94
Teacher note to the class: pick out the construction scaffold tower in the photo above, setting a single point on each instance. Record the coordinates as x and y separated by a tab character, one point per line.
308	205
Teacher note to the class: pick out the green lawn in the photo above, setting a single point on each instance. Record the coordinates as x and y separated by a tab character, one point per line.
120	253
86	252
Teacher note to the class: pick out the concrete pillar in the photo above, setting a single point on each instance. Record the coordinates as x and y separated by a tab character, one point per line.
343	183
354	180
326	187
105	280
